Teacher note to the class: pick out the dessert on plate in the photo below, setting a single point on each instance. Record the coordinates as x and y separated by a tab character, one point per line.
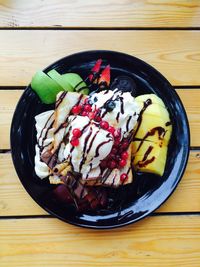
98	135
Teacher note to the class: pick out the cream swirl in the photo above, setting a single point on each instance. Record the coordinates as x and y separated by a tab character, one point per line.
94	145
125	113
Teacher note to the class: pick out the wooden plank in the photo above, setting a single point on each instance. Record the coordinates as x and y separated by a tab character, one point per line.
14	200
173	53
191	102
8	102
124	13
9	98
157	241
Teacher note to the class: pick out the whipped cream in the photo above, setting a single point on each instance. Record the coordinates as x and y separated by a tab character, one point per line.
45	138
94	145
125	113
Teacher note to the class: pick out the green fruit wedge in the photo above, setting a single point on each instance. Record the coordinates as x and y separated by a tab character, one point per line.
57	77
45	87
76	82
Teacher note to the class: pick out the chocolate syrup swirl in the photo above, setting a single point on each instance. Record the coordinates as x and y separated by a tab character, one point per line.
59	101
99	146
168	123
145	106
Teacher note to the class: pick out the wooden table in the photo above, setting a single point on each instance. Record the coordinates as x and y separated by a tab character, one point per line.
165	34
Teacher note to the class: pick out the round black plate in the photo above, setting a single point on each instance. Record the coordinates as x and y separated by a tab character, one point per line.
148	192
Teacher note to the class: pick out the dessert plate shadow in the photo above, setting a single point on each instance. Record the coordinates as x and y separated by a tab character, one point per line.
148	191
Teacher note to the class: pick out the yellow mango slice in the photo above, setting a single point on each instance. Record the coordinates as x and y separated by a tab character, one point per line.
149	158
154	98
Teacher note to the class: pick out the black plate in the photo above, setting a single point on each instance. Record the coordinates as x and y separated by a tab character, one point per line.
148	192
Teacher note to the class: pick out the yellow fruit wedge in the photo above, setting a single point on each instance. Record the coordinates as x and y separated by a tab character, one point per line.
152	135
149	158
153	128
156	110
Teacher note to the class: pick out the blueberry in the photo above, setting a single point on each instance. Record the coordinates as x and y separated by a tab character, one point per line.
110	105
95	99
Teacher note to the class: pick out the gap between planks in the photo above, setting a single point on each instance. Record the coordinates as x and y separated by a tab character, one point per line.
118	13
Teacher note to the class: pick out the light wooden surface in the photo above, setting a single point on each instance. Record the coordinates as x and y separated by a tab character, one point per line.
166	34
110	13
23	52
9	98
13	196
151	242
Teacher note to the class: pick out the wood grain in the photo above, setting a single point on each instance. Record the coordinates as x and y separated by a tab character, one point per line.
15	201
164	240
176	54
111	13
9	98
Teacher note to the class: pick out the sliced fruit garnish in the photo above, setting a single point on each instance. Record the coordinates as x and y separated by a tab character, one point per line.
76	82
104	79
152	135
95	70
45	87
149	157
59	79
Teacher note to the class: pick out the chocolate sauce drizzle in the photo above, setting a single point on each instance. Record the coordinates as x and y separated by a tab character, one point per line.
145	106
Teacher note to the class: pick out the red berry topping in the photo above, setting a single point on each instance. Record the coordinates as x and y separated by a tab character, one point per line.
117	142
112	164
87	108
122	163
97	118
114	150
104	125
74	141
76	132
85	101
124	155
76	109
112	156
91	115
123	177
125	145
111	130
117	133
104	164
118	158
84	113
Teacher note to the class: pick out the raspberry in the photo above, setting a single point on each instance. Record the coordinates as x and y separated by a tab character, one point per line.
74	141
76	109
97	118
122	163
76	132
87	108
84	113
104	125
124	155
125	145
117	133
123	177
91	115
103	164
112	164
111	130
